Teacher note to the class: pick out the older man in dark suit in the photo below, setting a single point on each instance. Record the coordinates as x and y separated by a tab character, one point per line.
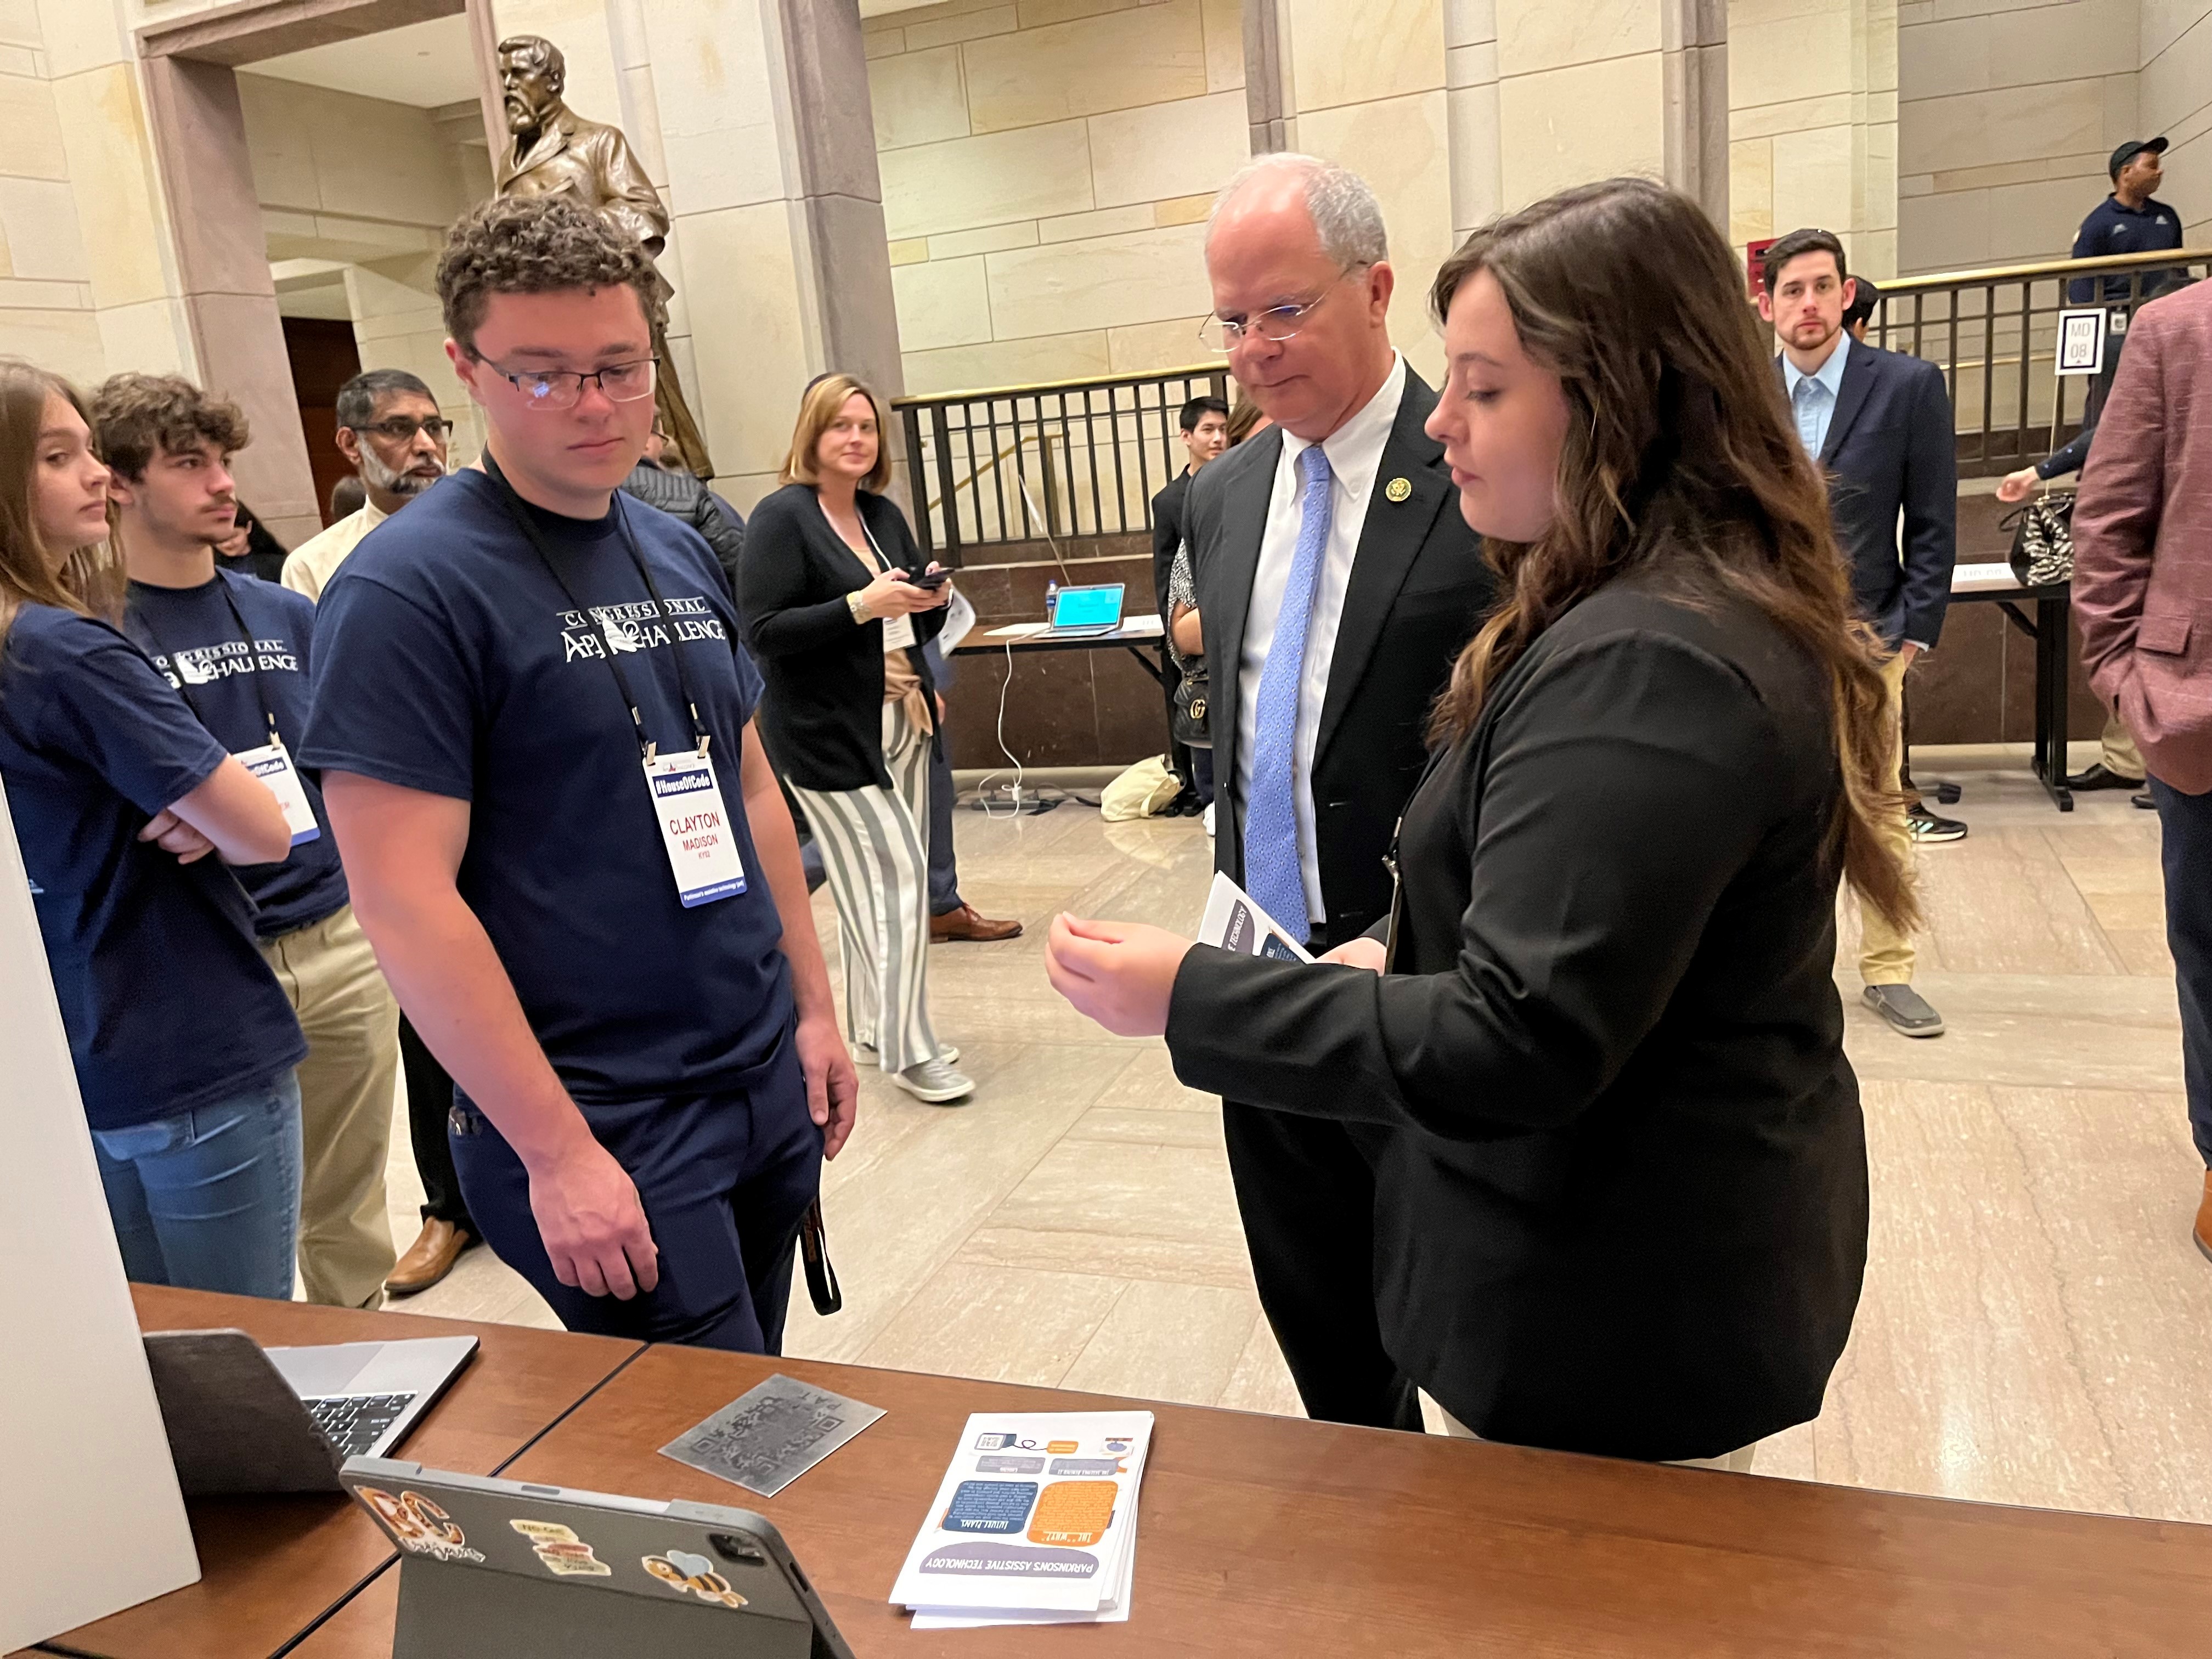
1879	424
1338	581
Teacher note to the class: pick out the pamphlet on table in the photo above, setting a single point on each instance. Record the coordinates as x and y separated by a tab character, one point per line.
1033	1523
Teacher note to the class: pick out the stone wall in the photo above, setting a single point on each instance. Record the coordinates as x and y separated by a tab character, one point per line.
1046	166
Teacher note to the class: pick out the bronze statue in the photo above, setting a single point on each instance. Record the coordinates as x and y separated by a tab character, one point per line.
554	151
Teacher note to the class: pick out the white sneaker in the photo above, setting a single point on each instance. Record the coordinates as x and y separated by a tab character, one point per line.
1209	820
948	1054
935	1081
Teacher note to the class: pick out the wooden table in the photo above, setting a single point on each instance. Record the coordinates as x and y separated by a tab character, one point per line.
2052	631
1274	1536
270	1567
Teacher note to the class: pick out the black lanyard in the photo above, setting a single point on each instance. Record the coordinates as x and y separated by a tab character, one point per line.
253	654
517	511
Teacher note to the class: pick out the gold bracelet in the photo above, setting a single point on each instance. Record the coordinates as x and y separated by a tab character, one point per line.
857	603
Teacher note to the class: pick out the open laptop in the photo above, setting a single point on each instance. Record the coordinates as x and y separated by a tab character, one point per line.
516	1567
243	1419
1081	612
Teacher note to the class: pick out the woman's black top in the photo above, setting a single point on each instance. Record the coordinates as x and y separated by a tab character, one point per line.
821	718
1621	1171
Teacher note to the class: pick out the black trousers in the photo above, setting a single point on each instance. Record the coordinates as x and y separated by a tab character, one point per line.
1305	1191
429	1099
2184	824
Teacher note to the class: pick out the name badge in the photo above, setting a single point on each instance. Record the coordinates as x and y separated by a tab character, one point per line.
695	827
273	766
898	633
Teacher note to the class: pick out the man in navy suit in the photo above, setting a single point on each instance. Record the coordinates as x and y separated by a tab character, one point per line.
1879	424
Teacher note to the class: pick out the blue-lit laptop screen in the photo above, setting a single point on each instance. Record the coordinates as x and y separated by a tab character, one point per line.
1087	607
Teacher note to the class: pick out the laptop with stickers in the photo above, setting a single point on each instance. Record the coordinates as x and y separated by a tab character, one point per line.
508	1567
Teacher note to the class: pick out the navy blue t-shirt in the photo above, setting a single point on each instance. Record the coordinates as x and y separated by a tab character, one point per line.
235	669
448	660
166	1000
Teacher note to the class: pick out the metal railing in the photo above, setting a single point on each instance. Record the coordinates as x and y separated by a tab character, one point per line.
1033	463
1083	458
1993	333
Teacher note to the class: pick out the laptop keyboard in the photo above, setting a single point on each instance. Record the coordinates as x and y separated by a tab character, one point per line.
354	1422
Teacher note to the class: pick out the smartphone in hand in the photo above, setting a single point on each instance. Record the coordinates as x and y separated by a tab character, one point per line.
932	580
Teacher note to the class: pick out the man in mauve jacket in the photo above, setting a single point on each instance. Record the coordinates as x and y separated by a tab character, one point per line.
2142	583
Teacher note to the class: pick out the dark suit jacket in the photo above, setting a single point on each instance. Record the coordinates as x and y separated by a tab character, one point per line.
1621	1184
1889	449
1418	588
1167	533
822	716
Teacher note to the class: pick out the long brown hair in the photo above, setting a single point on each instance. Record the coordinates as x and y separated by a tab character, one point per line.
90	581
1679	457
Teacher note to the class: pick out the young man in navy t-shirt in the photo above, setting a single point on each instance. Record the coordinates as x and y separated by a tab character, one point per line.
535	727
238	649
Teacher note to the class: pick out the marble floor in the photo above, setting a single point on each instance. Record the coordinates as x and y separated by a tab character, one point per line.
2036	1324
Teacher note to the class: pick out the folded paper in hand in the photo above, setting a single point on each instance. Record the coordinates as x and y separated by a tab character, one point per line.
1234	922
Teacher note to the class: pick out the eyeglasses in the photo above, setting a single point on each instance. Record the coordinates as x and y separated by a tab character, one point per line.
560	388
1275	326
401	429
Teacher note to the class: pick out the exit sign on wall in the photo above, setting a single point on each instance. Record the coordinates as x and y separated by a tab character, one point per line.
1755	277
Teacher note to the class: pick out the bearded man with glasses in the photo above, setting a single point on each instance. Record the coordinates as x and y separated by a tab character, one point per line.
535	726
390	432
1338	583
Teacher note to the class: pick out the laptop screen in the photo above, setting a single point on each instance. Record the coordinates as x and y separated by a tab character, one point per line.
1088	607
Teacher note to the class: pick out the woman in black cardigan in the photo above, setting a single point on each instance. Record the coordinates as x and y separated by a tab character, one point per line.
1600	1073
850	716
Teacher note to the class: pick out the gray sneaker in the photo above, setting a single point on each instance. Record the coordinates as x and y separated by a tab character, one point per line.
935	1081
1905	1009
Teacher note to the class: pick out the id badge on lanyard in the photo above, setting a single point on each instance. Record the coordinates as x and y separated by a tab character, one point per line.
898	634
695	827
272	764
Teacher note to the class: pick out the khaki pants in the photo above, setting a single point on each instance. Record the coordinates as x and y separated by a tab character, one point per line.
346	1085
2121	755
1737	1461
1885	955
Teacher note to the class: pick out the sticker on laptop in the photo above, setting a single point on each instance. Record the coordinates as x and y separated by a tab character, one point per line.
683	1571
567	1555
418	1525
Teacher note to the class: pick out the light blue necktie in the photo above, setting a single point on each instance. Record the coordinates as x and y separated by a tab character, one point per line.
1272	874
1810	400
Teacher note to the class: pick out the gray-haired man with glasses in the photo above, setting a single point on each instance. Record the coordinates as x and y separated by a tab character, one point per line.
1338	581
390	433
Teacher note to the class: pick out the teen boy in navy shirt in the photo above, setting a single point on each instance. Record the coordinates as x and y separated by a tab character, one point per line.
183	1045
237	649
535	726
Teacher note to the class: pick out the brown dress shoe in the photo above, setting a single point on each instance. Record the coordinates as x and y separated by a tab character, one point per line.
964	923
2202	1230
429	1258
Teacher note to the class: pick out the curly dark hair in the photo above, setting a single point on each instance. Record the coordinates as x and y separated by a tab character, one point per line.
532	245
134	416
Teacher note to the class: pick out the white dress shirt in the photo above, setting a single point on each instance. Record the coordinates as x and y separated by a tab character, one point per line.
1355	455
315	560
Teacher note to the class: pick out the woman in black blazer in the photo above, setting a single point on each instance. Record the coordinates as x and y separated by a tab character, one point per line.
1600	1075
850	716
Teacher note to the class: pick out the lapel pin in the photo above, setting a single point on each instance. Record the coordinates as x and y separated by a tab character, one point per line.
1398	489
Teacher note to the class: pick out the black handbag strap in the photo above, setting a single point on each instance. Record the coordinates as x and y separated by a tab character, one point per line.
814	1252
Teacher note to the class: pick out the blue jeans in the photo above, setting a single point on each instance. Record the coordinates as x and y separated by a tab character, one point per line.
209	1199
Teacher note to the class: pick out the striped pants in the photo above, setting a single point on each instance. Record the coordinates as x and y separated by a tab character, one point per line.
875	846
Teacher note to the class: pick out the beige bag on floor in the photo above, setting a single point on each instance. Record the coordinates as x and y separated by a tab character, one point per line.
1140	792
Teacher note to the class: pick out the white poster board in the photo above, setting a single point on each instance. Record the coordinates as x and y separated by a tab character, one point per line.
2082	341
92	1522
